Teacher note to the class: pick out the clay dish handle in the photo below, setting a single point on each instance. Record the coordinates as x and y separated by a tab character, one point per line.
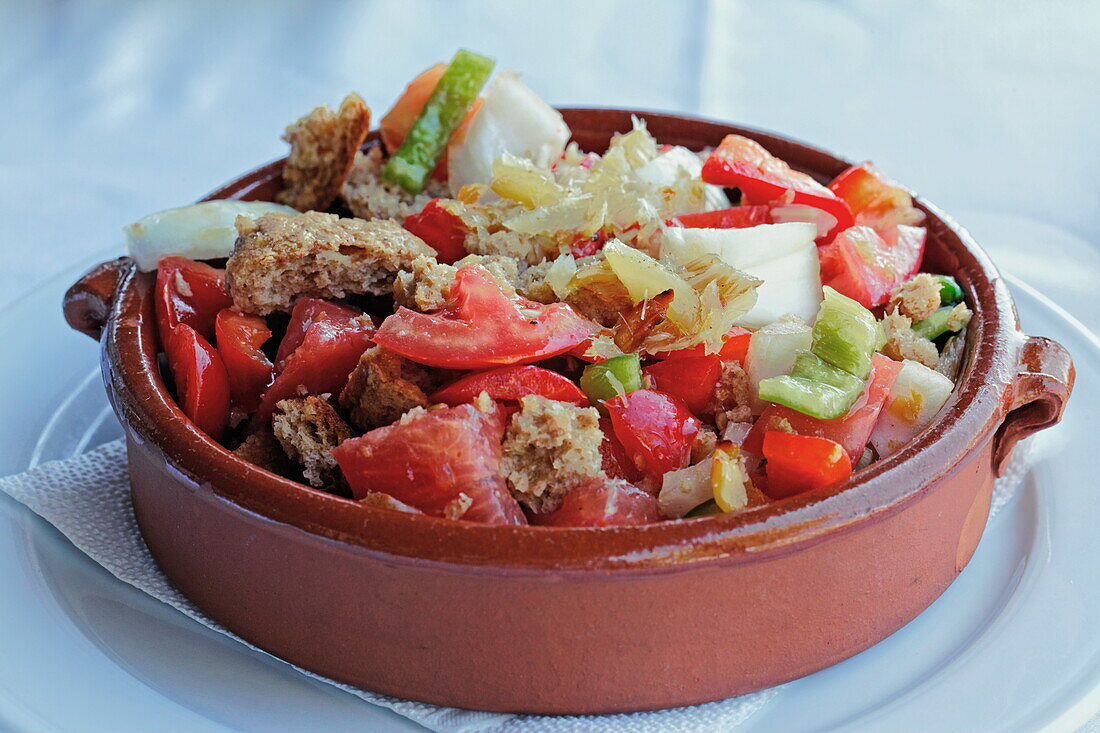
87	303
1037	396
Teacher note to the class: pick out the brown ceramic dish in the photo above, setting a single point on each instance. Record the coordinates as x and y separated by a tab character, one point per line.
554	620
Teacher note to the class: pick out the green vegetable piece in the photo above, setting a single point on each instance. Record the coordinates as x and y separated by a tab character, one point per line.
934	325
808	365
845	334
412	163
809	397
610	378
950	291
706	509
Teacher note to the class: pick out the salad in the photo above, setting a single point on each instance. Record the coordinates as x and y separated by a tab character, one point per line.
468	316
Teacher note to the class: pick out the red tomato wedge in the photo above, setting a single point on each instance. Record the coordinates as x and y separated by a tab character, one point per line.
874	199
655	429
202	384
602	502
738	217
743	163
480	327
441	230
509	384
866	267
306	312
240	337
691	378
852	430
321	364
800	463
734	348
188	292
428	459
587	246
616	462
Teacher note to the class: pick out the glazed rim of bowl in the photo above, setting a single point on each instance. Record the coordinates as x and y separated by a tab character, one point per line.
973	412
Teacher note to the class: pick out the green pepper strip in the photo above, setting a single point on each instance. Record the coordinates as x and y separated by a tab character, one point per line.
610	378
950	291
934	325
416	158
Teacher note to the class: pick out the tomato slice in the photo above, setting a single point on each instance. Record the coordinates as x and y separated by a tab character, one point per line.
734	348
202	384
739	162
587	246
427	459
240	337
480	326
738	217
602	502
800	463
441	230
866	267
509	384
691	378
321	364
852	430
188	292
616	462
874	199
306	312
655	429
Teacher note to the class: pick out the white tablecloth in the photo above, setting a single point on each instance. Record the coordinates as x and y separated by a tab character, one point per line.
110	111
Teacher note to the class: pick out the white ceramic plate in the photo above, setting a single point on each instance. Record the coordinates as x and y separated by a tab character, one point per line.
1011	645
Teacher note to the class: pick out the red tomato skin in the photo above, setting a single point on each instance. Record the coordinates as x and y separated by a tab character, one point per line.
655	429
801	463
441	230
586	247
427	460
742	163
307	311
874	199
202	384
239	337
188	292
509	384
691	378
482	327
320	365
616	462
734	348
737	217
602	503
865	266
851	431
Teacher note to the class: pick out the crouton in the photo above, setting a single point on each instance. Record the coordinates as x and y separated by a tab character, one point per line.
549	448
262	449
733	396
309	428
959	317
426	284
533	286
323	145
383	387
597	293
917	298
902	342
368	196
487	234
281	257
702	447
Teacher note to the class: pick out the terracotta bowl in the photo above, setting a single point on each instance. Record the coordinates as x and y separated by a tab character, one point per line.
563	620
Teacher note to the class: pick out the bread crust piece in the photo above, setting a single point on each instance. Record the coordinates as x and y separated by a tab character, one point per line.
902	342
916	298
383	387
281	257
368	196
732	396
323	145
426	284
309	428
550	447
260	448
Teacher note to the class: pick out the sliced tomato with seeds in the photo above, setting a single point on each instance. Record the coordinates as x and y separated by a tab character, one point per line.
306	312
691	378
188	292
741	163
602	502
510	384
480	326
202	384
655	429
800	463
442	230
428	459
240	337
321	364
